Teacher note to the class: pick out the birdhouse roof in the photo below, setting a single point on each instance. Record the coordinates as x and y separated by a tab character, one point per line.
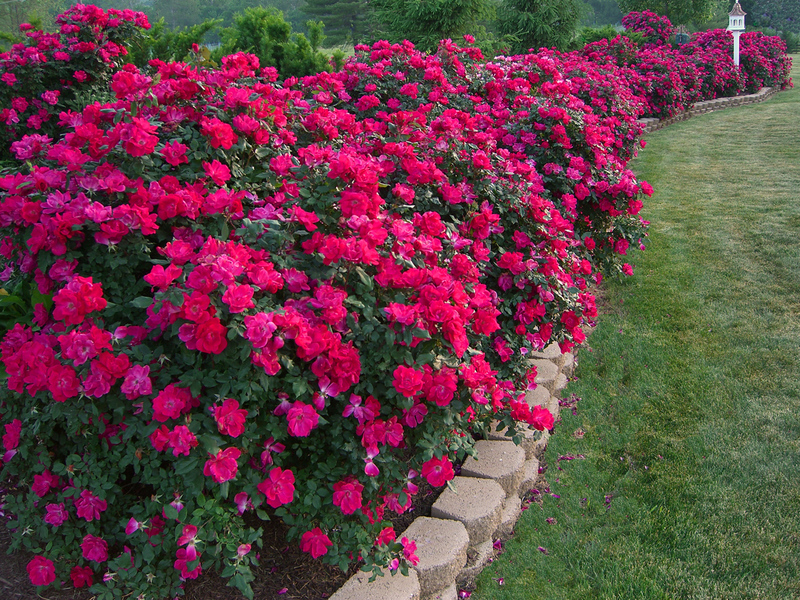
737	11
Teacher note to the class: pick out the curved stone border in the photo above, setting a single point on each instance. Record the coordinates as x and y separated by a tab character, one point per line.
456	542
651	124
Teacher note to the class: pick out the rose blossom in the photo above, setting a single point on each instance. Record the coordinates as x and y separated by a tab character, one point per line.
94	548
223	466
41	571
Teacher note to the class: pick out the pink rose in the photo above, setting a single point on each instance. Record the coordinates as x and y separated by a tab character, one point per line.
94	548
315	542
347	495
41	571
302	419
438	471
278	488
223	466
230	418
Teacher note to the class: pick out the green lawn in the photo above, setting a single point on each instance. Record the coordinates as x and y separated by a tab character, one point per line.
690	388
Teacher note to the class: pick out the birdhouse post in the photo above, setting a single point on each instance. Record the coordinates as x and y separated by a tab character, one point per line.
736	27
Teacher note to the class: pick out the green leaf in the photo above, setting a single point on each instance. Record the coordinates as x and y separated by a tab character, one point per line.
142	301
170	512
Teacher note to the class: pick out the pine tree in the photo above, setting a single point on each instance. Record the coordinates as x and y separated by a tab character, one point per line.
426	22
346	21
680	12
538	23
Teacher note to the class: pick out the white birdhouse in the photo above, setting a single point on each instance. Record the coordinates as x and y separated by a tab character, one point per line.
736	18
736	27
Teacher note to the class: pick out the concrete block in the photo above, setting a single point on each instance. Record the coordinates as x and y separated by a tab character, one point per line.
509	516
388	587
546	373
442	551
449	593
529	437
476	503
539	396
477	558
569	364
530	476
541	444
500	461
554	407
560	383
551	352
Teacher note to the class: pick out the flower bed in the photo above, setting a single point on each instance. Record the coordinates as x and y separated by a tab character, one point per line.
290	299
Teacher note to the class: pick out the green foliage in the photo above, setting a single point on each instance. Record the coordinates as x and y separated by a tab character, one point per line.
168	44
538	23
680	12
600	12
40	13
7	39
781	15
265	33
346	21
426	22
589	35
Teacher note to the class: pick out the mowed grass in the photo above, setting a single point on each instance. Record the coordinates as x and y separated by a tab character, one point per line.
686	482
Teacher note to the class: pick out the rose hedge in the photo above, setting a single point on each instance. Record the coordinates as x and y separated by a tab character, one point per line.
672	78
264	300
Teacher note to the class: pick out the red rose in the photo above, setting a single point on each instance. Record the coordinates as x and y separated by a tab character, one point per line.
41	571
278	488
210	336
407	381
94	548
230	418
315	542
438	471
223	466
81	576
541	418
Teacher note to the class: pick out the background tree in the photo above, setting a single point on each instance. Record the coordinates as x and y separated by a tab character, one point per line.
346	21
538	23
177	13
265	33
680	12
597	13
425	22
781	15
166	43
13	14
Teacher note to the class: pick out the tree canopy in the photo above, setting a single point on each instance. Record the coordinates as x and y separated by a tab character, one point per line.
426	22
679	11
345	20
538	23
781	15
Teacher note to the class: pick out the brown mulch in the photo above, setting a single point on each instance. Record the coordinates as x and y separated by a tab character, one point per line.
284	572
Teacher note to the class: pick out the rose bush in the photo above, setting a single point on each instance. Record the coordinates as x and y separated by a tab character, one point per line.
49	72
656	29
234	269
292	300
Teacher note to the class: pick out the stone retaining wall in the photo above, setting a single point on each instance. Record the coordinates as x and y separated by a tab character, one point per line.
651	125
456	542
